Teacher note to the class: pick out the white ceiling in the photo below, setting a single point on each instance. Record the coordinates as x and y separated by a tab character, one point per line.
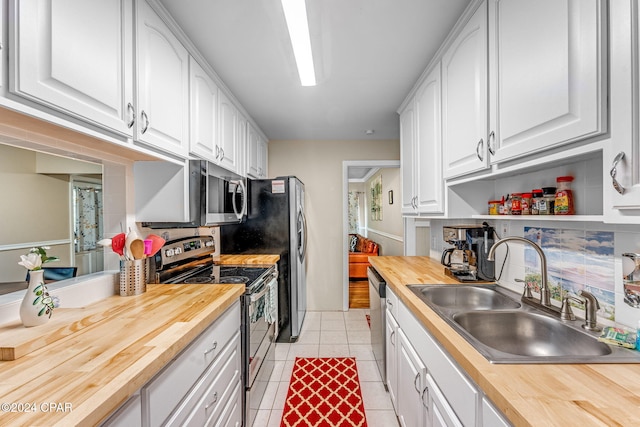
367	53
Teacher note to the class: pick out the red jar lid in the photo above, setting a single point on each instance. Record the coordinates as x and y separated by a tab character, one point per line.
537	191
495	201
564	179
526	196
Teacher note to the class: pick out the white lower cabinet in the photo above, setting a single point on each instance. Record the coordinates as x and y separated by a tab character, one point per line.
438	413
183	380
430	389
206	401
201	386
128	415
491	417
391	343
411	377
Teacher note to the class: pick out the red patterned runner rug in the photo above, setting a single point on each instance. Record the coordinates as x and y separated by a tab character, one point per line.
324	392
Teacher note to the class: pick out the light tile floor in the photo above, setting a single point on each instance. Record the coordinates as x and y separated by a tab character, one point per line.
330	334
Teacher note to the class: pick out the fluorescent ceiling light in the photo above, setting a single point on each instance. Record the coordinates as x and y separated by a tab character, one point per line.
295	12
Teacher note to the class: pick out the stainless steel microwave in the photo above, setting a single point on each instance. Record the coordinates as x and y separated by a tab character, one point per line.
216	196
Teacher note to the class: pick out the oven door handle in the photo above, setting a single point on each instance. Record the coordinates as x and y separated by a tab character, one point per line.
255	297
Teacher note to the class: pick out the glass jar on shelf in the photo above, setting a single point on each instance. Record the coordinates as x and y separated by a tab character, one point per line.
545	205
536	196
526	203
564	196
516	203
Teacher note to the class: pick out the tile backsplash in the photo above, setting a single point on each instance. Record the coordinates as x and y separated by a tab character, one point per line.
576	260
580	255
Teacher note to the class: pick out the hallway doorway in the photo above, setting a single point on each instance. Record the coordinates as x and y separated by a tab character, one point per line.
371	211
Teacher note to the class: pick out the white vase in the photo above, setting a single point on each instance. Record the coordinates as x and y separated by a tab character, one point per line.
36	307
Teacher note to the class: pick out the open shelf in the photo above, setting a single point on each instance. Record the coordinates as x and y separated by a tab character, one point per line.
574	218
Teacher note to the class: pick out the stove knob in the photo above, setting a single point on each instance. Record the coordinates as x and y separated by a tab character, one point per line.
209	243
169	253
178	251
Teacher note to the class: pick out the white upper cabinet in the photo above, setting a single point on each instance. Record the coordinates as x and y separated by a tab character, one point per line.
623	205
256	154
240	150
204	112
428	149
547	75
464	99
407	160
76	57
162	84
263	157
421	145
228	135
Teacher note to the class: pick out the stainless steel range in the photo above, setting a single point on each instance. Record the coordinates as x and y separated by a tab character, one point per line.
190	261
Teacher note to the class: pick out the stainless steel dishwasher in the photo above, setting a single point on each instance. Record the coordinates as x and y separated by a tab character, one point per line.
377	307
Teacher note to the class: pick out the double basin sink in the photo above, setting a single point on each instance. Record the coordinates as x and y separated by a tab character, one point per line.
503	330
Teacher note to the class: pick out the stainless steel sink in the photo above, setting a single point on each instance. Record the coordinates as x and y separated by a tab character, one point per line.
463	297
528	334
494	322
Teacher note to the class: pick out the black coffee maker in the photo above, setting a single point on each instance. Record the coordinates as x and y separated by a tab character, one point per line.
467	261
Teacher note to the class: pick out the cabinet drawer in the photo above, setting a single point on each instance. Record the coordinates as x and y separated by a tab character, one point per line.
169	387
392	302
232	415
209	396
460	392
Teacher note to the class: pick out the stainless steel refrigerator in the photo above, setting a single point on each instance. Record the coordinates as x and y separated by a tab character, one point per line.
276	224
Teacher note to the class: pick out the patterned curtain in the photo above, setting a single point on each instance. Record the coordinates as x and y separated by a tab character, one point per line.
88	217
354	212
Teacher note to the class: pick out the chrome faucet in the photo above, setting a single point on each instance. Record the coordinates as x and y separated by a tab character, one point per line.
545	293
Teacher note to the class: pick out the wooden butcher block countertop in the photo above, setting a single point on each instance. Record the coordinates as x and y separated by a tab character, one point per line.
529	395
123	343
247	259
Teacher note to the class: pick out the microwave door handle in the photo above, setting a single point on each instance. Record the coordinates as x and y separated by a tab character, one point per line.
243	189
243	193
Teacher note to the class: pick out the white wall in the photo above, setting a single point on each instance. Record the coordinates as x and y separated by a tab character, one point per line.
387	232
319	165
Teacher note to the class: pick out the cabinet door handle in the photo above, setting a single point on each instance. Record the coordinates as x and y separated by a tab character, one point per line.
393	333
481	142
389	303
217	152
221	154
132	115
143	115
213	402
414	382
425	405
213	347
619	188
492	137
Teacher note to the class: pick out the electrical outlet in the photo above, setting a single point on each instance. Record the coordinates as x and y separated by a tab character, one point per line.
504	229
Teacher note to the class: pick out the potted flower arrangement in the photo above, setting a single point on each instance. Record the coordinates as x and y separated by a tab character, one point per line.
37	305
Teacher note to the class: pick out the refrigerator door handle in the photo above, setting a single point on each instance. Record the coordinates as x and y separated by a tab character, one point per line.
302	246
